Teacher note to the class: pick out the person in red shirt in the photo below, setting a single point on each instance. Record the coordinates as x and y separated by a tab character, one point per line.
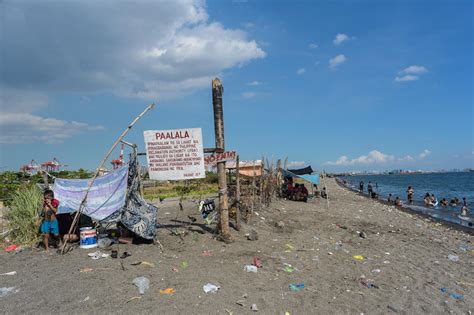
50	223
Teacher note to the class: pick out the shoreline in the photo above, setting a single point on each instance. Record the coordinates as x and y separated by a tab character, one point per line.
455	226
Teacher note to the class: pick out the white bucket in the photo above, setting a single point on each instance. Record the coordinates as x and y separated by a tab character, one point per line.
88	238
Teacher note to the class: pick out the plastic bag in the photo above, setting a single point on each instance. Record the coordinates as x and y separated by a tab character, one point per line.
142	283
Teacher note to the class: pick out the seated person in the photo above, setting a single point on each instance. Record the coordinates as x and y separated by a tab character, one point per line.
323	193
302	193
374	195
397	201
66	222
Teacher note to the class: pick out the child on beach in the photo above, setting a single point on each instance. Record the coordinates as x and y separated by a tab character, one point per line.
410	193
389	199
50	223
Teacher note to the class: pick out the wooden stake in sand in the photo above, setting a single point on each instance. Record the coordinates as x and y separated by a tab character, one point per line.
217	91
237	194
101	164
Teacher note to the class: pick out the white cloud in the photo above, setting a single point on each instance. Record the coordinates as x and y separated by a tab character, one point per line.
376	157
254	83
313	46
249	25
406	78
28	128
249	94
414	70
340	38
317	62
148	49
424	154
301	71
334	62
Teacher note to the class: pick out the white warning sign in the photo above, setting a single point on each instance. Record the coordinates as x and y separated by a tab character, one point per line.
175	154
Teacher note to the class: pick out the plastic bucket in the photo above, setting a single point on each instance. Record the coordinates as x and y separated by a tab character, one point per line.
88	238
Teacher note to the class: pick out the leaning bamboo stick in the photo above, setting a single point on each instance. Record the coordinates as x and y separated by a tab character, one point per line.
101	164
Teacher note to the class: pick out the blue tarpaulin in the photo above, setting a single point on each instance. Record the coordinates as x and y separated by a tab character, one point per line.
314	178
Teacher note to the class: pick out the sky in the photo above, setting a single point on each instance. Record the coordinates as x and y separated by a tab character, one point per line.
339	85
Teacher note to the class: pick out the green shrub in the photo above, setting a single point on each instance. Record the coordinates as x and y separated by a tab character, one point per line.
23	217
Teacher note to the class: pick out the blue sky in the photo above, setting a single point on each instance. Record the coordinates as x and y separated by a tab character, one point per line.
340	85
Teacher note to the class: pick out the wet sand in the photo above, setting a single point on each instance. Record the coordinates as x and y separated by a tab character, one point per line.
405	257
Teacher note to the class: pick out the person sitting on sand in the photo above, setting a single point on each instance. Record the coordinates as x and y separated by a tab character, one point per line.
410	192
444	202
50	223
361	187
389	199
397	201
84	221
302	193
324	194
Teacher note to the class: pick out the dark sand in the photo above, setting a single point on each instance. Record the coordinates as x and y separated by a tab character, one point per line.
410	251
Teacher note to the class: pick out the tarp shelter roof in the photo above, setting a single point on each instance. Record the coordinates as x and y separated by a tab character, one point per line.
313	179
302	171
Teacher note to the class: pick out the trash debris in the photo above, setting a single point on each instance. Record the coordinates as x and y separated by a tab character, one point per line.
167	291
6	291
86	270
133	298
338	245
240	302
250	268
11	248
207	253
289	248
184	264
104	243
393	309
454	295
142	283
280	224
464	247
114	254
228	312
315	258
86	299
125	255
97	255
252	236
210	288
296	287
257	262
144	263
341	226
358	257
288	268
174	269
11	273
376	271
454	258
254	307
362	235
368	284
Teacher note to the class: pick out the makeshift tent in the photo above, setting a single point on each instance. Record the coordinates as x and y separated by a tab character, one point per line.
246	168
302	171
113	198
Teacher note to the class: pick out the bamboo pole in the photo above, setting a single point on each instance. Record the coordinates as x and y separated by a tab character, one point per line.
101	164
260	188
327	194
223	225
237	194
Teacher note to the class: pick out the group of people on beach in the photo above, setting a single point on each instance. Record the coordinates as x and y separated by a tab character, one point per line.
429	200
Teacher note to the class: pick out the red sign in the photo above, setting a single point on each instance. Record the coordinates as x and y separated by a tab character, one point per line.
219	157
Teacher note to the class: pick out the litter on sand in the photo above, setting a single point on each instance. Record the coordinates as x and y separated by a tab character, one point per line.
454	258
133	298
6	291
296	287
167	291
86	270
97	255
254	307
11	248
358	257
11	273
250	268
212	288
207	253
454	295
142	283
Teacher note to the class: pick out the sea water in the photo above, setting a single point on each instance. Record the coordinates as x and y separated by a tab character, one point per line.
442	185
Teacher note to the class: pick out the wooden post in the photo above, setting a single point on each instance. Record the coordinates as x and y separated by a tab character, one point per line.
237	194
101	164
261	182
223	225
278	178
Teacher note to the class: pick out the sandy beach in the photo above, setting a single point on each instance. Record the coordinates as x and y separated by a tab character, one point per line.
405	267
